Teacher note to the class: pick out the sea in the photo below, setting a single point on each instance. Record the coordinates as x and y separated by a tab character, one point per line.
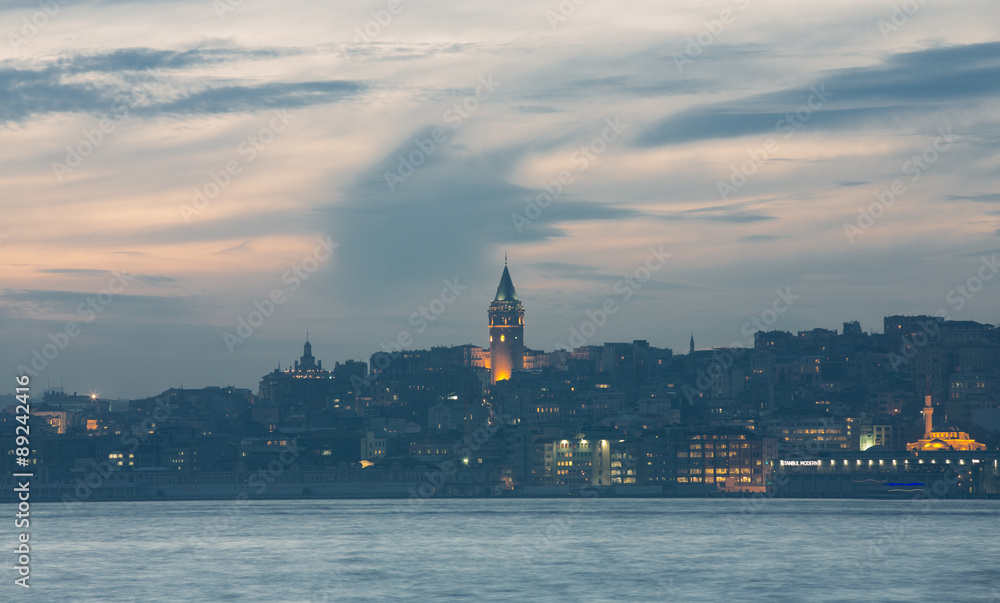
576	549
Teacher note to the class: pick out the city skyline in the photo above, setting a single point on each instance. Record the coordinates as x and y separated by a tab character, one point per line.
586	333
356	164
585	300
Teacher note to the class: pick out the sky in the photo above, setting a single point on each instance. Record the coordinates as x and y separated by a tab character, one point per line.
189	187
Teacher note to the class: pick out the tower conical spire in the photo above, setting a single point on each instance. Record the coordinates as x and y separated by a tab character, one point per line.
505	291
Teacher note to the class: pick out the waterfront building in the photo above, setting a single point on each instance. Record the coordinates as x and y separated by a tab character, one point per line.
578	461
943	437
735	461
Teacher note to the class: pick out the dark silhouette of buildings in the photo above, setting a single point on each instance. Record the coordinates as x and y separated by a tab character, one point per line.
815	413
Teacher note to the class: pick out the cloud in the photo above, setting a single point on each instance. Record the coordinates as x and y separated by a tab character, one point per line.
275	95
534	109
243	248
981	198
261	223
568	271
76	271
106	83
447	219
848	183
149	279
736	213
452	217
916	81
147	59
984	252
398	51
24	93
762	238
42	304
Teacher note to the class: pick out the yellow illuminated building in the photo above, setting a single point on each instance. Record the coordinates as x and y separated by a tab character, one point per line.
942	437
578	462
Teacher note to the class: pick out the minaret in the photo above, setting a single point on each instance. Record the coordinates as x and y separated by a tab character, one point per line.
691	350
928	413
506	316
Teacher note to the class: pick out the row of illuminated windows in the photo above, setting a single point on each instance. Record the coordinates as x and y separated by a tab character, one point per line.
505	321
717	471
697	480
716	437
710	455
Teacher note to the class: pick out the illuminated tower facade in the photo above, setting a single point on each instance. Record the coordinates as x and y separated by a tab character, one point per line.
506	330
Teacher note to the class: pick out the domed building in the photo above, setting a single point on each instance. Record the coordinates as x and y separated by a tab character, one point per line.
943	437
